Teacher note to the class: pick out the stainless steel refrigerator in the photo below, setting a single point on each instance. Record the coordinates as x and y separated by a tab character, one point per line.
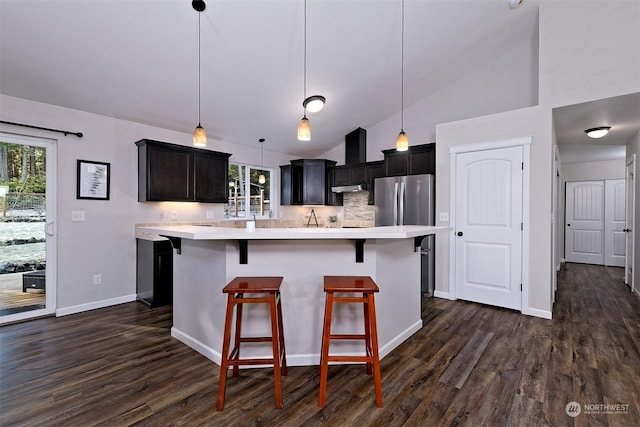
409	200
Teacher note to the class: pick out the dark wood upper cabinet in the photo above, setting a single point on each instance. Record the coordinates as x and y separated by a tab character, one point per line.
285	185
418	159
374	170
305	182
176	173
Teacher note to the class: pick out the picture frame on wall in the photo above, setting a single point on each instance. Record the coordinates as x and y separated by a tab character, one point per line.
93	180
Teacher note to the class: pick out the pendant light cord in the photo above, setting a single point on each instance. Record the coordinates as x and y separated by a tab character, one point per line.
402	71
305	53
199	13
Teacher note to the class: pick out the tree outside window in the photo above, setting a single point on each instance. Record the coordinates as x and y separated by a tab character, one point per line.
246	196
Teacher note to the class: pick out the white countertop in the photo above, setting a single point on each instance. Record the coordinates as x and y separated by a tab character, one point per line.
200	232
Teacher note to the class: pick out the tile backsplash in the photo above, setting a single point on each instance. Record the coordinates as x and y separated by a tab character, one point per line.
357	211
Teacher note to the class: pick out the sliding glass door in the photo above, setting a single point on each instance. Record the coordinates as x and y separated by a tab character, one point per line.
27	227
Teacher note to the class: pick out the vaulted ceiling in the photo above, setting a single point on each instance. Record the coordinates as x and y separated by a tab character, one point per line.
138	60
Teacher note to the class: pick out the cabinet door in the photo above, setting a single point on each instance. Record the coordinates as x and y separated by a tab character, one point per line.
285	185
297	184
314	183
169	174
342	175
163	274
375	170
395	164
211	174
422	160
358	174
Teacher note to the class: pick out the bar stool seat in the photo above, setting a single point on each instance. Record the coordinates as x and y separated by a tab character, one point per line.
365	287
253	290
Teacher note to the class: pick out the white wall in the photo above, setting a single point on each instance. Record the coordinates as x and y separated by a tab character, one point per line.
505	83
585	171
572	34
633	147
508	125
105	242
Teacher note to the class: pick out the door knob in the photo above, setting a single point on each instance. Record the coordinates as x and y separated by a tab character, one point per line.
626	230
460	233
568	225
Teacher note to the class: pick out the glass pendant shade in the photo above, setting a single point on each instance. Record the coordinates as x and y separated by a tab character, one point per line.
199	137
304	130
402	142
262	179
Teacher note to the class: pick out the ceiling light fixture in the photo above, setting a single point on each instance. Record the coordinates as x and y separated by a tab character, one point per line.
402	142
304	128
598	132
314	103
261	178
199	135
515	3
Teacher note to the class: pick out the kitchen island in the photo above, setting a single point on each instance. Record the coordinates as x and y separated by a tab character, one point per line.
207	258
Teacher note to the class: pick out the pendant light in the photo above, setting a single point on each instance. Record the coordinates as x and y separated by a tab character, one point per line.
304	128
261	178
199	135
402	142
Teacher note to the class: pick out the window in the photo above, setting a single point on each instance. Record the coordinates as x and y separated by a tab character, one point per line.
247	197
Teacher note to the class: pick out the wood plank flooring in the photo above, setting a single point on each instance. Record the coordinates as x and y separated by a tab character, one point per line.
12	299
119	366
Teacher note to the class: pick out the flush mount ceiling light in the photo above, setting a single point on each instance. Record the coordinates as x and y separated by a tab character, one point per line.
199	135
261	178
598	132
402	142
314	103
515	3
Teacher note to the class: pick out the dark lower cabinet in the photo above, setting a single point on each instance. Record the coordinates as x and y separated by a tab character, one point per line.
154	272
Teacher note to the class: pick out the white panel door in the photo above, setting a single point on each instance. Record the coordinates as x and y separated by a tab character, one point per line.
629	221
584	231
488	223
614	222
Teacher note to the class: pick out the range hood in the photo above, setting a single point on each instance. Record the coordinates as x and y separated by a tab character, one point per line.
348	188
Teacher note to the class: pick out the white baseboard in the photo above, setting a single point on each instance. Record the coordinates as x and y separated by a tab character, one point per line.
211	354
292	359
562	261
537	313
93	305
442	294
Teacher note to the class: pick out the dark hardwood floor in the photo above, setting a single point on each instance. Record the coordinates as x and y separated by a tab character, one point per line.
470	365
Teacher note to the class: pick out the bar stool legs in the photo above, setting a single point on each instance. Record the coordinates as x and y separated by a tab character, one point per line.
366	287
236	291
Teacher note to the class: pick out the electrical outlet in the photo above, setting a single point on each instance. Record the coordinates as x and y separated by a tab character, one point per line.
97	279
77	216
210	214
444	216
174	215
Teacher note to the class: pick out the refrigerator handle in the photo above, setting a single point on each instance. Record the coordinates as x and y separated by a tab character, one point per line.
395	203
402	191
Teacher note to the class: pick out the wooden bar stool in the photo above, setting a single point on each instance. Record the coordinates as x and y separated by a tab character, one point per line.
243	290
366	287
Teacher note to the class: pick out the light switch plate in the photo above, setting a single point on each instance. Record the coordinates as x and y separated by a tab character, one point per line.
77	216
444	216
210	214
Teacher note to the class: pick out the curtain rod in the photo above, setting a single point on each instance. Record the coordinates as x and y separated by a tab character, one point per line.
66	132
